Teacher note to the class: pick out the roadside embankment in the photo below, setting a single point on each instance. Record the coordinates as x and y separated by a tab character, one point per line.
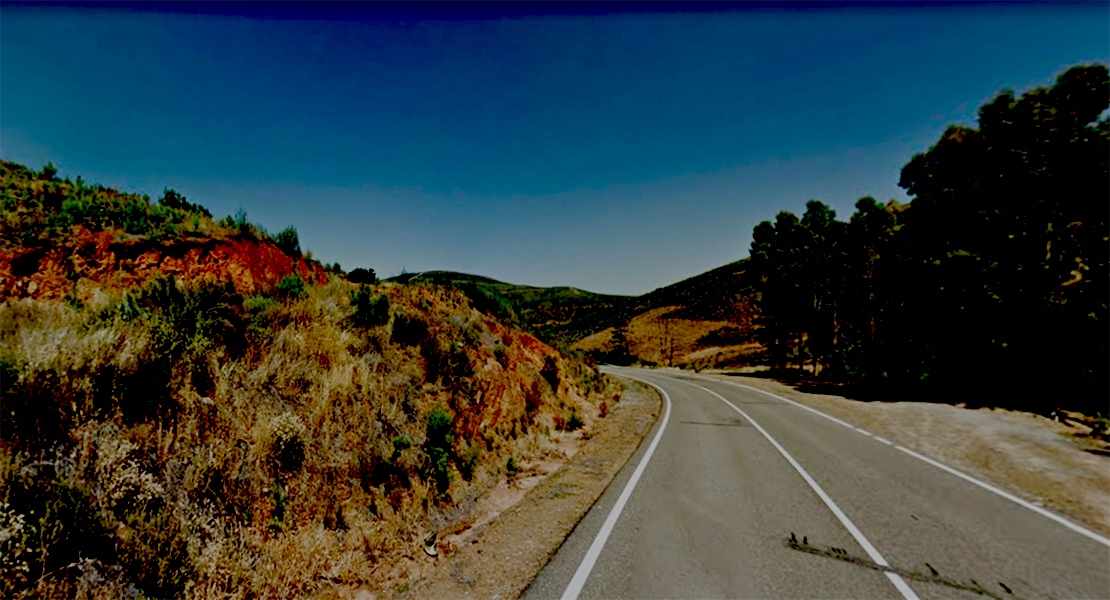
497	555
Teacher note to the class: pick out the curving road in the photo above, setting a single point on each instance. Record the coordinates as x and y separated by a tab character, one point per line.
737	493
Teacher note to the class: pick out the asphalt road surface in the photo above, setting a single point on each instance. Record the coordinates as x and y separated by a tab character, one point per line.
736	493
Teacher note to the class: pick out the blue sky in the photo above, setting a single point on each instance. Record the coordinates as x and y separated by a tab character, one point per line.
611	152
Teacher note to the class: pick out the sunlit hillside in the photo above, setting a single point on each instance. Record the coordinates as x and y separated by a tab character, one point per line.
219	427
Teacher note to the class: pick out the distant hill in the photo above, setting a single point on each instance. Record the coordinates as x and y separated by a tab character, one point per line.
705	320
559	315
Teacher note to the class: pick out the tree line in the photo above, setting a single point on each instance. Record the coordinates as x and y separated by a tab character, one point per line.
990	287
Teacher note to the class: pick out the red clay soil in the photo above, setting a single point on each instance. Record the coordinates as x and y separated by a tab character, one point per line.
115	261
507	387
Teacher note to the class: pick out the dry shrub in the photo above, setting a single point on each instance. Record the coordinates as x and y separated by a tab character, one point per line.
313	455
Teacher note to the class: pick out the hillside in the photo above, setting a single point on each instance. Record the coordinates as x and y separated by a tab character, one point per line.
68	240
705	320
558	315
192	408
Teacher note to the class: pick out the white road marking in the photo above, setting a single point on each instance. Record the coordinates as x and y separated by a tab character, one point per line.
894	578
575	586
990	488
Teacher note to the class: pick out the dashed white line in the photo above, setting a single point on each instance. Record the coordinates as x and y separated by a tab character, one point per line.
583	572
894	578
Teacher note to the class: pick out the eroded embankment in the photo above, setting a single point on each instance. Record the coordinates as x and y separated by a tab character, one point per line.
496	556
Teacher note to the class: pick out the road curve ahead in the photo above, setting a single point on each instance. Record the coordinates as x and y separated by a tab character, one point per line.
738	494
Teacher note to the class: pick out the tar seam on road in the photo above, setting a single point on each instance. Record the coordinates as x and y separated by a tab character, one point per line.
990	488
894	578
579	580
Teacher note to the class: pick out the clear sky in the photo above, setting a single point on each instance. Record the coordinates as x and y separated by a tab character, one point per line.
612	152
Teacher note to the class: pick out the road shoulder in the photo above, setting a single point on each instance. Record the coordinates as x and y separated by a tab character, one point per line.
500	558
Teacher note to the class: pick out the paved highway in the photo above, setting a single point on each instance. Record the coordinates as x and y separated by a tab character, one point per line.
736	493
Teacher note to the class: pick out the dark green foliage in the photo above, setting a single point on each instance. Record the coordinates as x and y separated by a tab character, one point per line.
292	287
550	373
362	276
491	303
619	352
408	331
990	285
187	323
37	209
1101	427
371	310
400	443
288	242
62	522
437	446
574	422
468	461
172	199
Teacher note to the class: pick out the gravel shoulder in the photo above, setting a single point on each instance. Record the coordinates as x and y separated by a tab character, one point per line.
1049	463
501	553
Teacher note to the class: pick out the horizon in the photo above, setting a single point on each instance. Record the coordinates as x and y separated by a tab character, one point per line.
617	151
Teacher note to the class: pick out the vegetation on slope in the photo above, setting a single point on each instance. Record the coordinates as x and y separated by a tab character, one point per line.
63	239
558	315
705	320
196	436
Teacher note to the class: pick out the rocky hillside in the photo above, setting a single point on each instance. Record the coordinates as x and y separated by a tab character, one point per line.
191	408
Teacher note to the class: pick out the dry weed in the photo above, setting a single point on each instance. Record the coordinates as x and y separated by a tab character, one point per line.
299	461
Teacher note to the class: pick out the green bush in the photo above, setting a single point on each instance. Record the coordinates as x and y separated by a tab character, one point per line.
550	373
288	242
408	331
437	446
362	276
469	461
292	287
1101	426
370	310
575	422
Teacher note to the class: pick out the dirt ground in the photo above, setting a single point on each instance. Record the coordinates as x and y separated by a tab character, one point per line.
1050	464
506	538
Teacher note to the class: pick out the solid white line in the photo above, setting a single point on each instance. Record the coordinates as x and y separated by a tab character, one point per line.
990	488
575	586
894	578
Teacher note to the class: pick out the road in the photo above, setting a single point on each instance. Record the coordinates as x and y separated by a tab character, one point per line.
709	504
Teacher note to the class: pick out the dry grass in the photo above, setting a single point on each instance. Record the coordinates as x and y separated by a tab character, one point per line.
656	337
297	460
